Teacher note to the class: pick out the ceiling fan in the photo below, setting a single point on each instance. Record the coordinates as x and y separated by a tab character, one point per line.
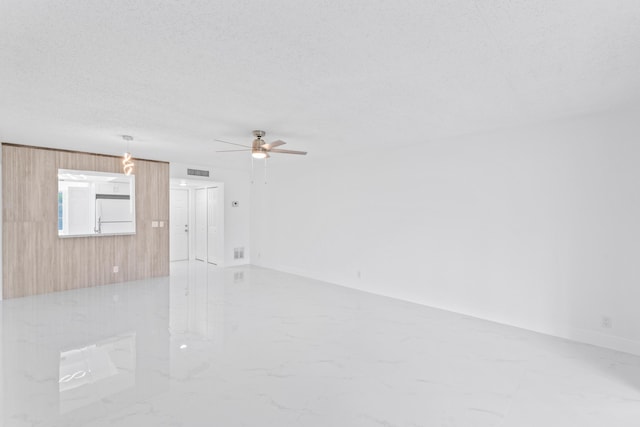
259	148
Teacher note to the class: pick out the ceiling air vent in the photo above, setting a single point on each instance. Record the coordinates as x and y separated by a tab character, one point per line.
197	172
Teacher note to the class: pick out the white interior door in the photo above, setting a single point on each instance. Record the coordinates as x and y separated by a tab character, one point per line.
201	224
179	220
213	254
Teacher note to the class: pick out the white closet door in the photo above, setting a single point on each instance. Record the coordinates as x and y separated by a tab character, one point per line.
213	223
201	224
179	221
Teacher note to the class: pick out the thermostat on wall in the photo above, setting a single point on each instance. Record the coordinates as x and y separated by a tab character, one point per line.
235	203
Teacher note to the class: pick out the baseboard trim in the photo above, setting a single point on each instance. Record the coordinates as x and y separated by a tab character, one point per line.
599	339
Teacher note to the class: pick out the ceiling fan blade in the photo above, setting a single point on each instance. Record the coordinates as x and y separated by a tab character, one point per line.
232	143
287	151
228	151
270	145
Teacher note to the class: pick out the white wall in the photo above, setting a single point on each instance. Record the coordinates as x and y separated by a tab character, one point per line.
537	227
236	219
1	239
1	290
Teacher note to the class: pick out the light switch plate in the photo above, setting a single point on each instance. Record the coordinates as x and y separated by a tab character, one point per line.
154	224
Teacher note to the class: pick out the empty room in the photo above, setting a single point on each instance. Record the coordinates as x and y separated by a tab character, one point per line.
332	213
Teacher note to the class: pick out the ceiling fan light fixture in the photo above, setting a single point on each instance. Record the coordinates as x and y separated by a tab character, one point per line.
259	148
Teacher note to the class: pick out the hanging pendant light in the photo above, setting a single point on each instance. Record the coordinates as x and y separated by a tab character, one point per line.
127	163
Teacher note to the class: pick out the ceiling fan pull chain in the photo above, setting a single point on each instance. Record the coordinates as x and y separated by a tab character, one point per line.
265	170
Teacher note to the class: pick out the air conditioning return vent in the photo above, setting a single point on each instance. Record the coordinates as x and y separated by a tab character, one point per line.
197	172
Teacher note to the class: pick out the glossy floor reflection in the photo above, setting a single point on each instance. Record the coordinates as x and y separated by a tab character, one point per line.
255	347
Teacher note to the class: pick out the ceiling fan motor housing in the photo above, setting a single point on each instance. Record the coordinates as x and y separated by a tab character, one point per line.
256	147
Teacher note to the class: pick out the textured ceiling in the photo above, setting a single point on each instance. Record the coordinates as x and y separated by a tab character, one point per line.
329	76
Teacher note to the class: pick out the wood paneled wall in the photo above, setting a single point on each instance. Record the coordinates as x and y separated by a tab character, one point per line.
36	261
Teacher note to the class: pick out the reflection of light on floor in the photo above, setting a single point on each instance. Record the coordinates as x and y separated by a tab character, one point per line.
183	346
75	375
111	362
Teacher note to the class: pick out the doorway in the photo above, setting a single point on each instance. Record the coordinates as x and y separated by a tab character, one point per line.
197	221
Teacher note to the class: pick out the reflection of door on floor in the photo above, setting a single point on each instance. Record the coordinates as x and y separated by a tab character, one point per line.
179	220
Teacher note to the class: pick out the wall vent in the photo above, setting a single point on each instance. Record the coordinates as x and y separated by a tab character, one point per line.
197	172
238	253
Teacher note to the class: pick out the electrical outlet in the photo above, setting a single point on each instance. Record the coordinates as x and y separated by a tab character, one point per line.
606	322
116	269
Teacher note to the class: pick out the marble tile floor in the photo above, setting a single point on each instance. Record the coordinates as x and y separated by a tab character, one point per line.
248	346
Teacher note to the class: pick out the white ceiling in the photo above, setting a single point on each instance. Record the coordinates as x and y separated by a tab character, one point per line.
328	76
